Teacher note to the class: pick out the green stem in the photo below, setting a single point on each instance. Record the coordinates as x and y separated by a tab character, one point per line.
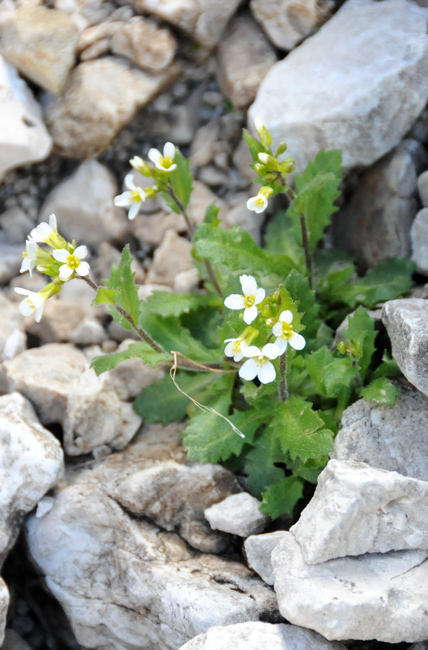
283	389
305	239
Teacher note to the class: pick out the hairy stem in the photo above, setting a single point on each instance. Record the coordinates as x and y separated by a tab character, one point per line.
305	239
283	390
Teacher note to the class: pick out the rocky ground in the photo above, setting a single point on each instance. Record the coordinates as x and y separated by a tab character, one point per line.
109	538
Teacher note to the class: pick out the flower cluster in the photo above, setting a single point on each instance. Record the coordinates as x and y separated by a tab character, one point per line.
62	263
164	165
259	360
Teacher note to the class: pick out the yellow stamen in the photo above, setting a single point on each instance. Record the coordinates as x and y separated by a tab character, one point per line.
73	262
287	331
249	300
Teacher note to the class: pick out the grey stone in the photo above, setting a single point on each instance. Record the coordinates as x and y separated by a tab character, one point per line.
423	188
10	324
132	375
258	549
83	204
336	90
359	509
372	596
257	636
16	225
23	135
405	321
145	44
238	514
419	239
288	22
172	257
4	604
41	43
389	437
123	583
244	58
10	260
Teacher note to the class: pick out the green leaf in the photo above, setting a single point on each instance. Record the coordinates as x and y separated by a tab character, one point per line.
281	497
211	215
170	202
361	334
331	374
122	283
300	430
142	351
281	238
105	297
164	303
316	191
260	463
209	438
298	287
310	470
254	145
182	179
380	391
162	402
388	368
237	250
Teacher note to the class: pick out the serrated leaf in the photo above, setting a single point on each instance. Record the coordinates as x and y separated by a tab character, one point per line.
388	368
281	497
209	438
237	250
310	470
361	334
281	238
211	215
254	145
298	287
162	401
182	179
260	463
122	282
142	351
105	297
299	430
380	391
331	374
316	191
165	303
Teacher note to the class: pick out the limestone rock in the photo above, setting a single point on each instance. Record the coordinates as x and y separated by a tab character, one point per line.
423	188
16	225
149	230
4	604
405	321
171	257
10	260
238	514
58	382
23	136
388	437
132	375
145	44
244	57
41	43
84	206
203	21
98	562
375	224
100	97
358	509
59	322
89	332
419	239
335	90
373	596
287	22
89	12
10	324
258	549
243	636
150	479
31	461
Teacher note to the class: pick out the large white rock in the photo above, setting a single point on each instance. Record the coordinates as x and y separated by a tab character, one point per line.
390	437
31	463
258	636
11	327
125	584
258	549
406	324
358	84
358	509
23	136
238	514
373	596
4	604
419	240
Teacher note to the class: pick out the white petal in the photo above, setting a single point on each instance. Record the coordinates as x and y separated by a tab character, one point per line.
271	350
260	296
133	210
234	301
251	351
169	150
129	181
26	265
154	155
52	222
267	373
167	169
249	370
26	307
297	341
258	124
61	254
39	312
65	272
250	314
229	349
286	316
262	206
263	157
248	284
252	205
123	200
238	356
83	268
23	292
81	252
281	344
277	329
41	233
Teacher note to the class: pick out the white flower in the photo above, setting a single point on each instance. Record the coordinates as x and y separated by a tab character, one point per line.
235	348
71	262
284	331
33	303
30	256
263	157
133	197
259	364
44	230
165	162
259	125
257	203
252	297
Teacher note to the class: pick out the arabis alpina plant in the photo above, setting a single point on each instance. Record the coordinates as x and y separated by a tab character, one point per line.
283	330
252	296
260	363
132	198
71	263
35	301
164	162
